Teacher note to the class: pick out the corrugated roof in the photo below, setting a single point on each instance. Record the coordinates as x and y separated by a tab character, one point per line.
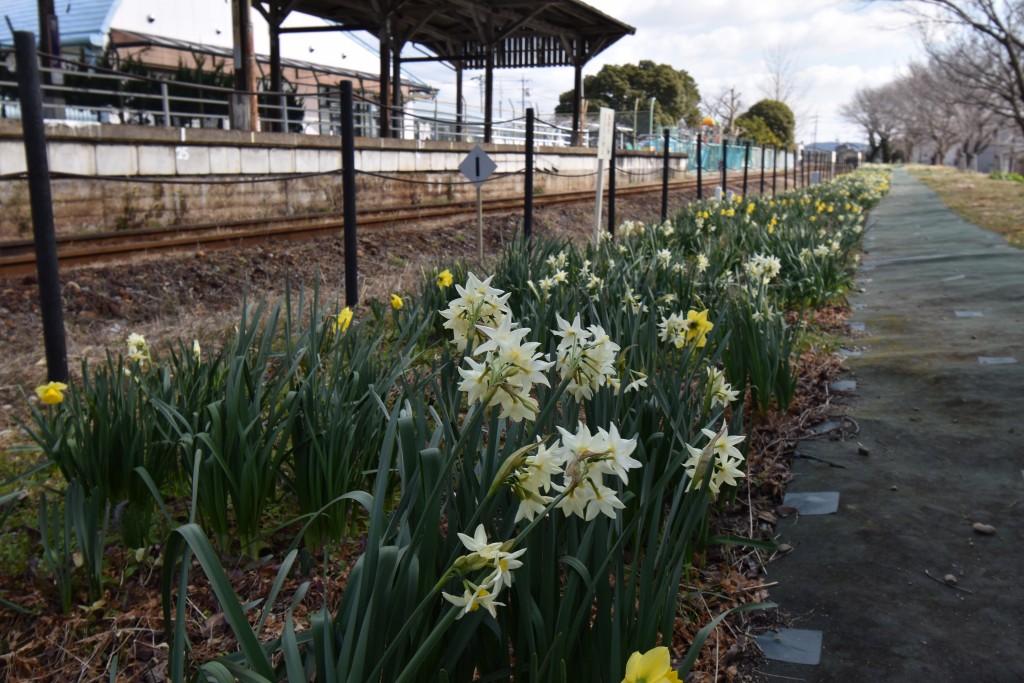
81	22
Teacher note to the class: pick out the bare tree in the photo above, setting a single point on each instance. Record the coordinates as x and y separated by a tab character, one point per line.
726	106
876	110
979	42
927	113
783	82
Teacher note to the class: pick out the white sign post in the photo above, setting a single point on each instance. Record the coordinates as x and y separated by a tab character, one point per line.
478	167
605	139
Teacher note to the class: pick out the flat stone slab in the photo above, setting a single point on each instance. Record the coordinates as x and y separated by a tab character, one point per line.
844	385
969	314
815	503
997	360
857	326
793	645
823	427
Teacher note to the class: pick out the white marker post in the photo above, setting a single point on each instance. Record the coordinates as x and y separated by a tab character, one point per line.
478	167
605	137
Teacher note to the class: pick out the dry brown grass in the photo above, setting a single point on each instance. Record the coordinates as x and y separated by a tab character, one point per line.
996	205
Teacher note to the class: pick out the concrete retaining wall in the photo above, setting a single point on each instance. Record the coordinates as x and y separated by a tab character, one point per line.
178	175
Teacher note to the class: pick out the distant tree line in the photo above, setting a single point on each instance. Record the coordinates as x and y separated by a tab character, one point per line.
967	95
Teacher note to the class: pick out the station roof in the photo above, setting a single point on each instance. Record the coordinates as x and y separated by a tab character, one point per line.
521	33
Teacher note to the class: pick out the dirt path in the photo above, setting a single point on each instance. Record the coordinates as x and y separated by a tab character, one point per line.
940	409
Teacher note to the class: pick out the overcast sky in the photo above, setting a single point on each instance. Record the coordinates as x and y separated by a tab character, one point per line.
836	46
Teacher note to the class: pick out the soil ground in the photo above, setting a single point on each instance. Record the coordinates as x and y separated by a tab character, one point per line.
940	447
198	294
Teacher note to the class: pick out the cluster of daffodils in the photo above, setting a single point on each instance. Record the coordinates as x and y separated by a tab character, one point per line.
483	555
586	357
632	301
508	368
503	368
627	229
557	263
138	351
508	371
762	269
478	304
691	330
574	467
721	455
720	391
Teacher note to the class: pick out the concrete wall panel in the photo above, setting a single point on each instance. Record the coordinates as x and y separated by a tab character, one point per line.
307	161
117	160
255	160
154	160
192	160
225	160
12	157
67	157
282	161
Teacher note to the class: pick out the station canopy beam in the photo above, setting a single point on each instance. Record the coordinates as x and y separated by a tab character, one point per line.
467	34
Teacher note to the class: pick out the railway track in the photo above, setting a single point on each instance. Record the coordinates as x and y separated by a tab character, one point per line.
18	257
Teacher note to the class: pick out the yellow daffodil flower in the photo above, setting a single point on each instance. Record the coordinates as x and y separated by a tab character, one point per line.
444	279
51	393
343	320
396	302
653	666
697	328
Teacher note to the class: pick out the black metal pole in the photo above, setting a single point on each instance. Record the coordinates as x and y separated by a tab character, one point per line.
664	180
775	166
725	168
528	189
348	189
746	167
764	148
785	170
30	95
700	169
611	189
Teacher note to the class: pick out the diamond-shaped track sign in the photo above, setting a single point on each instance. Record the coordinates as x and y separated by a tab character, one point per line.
477	166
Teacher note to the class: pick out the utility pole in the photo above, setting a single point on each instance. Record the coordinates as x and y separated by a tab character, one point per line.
523	92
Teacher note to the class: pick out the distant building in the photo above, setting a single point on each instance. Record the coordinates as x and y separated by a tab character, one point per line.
196	34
